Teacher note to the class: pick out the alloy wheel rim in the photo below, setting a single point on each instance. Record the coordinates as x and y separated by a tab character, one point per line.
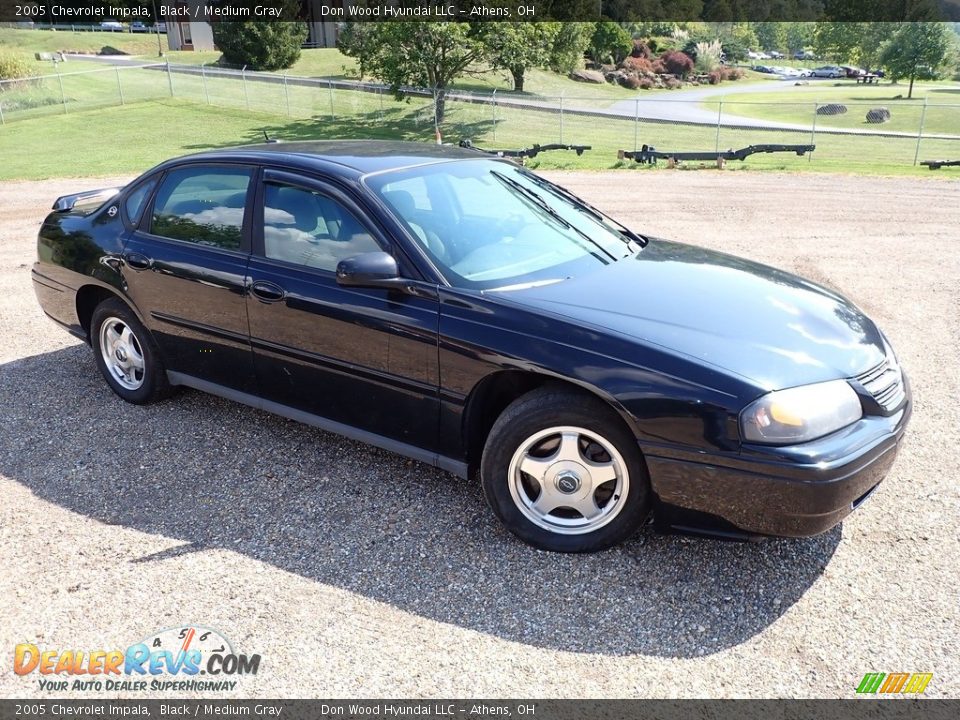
122	353
568	480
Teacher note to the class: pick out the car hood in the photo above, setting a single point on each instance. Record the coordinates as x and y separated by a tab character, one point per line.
770	327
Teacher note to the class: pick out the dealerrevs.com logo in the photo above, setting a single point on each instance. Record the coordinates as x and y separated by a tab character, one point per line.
894	683
183	658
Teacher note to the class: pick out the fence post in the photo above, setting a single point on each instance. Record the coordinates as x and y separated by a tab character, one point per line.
923	118
286	93
636	123
246	96
2	121
203	75
380	93
494	111
169	78
330	93
63	97
562	94
719	116
813	131
119	86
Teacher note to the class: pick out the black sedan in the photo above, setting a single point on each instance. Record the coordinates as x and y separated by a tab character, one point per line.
463	311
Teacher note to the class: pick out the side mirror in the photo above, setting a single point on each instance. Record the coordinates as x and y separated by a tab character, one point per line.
374	269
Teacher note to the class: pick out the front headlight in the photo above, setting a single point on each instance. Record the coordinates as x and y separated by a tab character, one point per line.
786	417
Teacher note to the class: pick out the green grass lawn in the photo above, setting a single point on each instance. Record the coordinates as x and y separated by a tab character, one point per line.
34	41
131	138
795	104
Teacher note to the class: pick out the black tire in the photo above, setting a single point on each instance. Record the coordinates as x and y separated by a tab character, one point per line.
509	491
140	385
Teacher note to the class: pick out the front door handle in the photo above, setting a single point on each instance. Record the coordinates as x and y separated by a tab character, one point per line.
267	291
138	261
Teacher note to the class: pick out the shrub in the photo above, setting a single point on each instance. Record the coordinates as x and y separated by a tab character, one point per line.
677	63
609	40
14	67
732	73
658	67
630	81
715	77
261	45
645	83
672	83
637	64
707	56
640	49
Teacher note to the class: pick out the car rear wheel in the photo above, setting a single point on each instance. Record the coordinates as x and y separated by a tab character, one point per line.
563	473
126	354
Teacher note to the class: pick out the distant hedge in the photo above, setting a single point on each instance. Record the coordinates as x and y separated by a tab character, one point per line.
14	67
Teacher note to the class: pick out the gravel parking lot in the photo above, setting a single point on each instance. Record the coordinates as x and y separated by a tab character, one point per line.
354	572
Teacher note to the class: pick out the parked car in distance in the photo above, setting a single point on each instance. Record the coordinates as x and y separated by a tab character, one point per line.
138	26
461	310
828	71
804	55
775	54
111	26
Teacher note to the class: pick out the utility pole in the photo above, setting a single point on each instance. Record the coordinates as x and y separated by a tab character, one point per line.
156	26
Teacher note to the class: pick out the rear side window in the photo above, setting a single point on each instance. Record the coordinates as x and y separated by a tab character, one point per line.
133	205
202	205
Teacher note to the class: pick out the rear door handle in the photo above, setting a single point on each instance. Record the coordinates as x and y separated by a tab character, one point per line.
267	291
138	261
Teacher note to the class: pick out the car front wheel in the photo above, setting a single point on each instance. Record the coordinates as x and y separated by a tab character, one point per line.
126	354
563	473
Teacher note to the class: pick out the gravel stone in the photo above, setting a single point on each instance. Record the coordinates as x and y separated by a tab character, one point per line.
356	573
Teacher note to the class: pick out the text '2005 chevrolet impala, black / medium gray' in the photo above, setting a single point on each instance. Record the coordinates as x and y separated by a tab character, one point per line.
463	311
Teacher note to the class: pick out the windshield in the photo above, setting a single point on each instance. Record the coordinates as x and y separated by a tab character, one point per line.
490	224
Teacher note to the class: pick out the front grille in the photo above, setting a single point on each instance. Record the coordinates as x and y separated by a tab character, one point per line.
885	384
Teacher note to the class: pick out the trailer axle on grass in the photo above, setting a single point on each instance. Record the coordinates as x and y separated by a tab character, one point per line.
937	164
529	152
649	154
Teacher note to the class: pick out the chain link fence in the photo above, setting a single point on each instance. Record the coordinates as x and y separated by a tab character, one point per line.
300	108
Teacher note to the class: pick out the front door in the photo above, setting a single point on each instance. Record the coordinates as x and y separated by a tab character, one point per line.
366	358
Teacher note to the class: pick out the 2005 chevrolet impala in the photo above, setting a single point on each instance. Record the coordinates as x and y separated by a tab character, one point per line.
458	309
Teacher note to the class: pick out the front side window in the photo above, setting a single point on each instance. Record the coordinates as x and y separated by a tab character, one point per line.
134	202
202	205
308	228
489	224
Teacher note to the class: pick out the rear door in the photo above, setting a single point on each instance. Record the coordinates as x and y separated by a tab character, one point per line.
366	358
185	267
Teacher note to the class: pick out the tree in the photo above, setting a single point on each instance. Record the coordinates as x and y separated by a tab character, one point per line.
517	47
569	46
771	35
425	54
916	51
853	42
609	40
361	41
799	35
262	45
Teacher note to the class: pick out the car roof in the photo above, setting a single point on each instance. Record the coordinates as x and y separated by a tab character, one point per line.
361	156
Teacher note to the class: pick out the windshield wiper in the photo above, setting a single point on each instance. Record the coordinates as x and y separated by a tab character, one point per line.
543	205
586	208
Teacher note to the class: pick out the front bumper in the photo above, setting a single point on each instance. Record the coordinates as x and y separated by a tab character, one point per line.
794	491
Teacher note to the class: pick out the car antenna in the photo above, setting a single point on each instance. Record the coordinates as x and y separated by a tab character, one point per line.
268	138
